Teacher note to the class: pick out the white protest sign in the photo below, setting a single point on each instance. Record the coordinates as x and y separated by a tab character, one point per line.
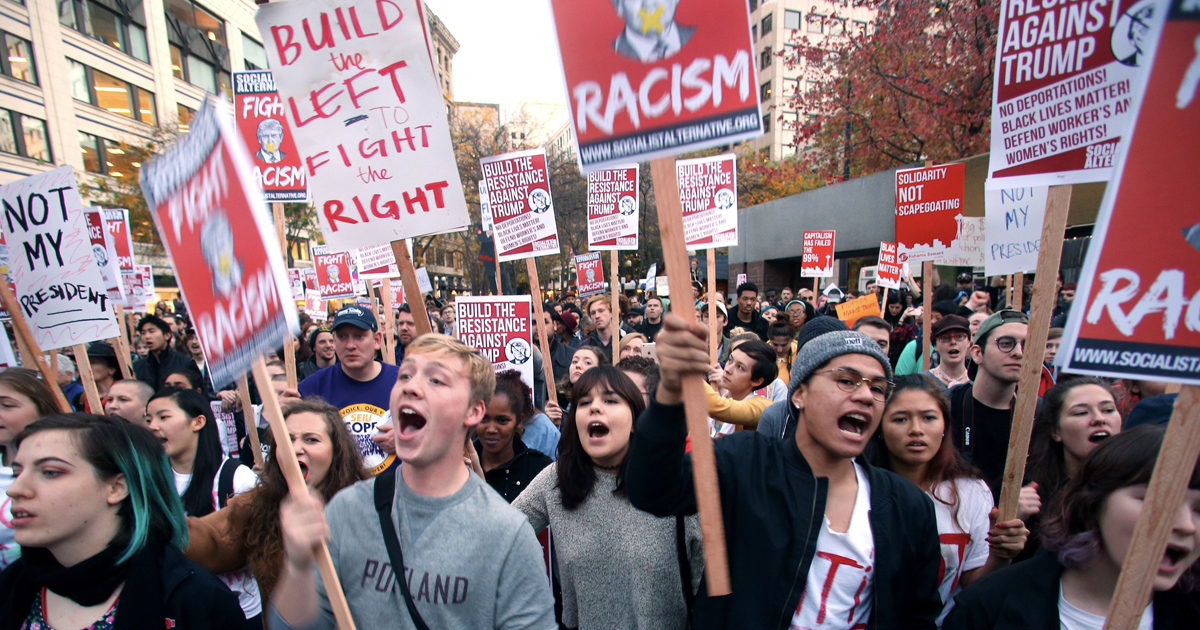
367	111
485	207
1014	229
613	200
661	287
518	186
708	192
423	282
7	358
741	279
60	288
967	248
377	261
498	327
650	277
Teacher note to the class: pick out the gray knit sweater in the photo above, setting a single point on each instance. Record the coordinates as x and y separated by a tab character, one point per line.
618	566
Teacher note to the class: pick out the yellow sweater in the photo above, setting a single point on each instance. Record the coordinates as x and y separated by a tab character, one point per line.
744	413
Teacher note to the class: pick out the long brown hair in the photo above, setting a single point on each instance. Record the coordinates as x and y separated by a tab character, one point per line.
576	470
564	387
262	535
29	384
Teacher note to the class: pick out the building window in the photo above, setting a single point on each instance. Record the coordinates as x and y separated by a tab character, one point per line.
791	20
124	30
106	157
110	93
18	62
837	27
766	124
764	91
754	32
753	4
253	54
764	59
184	114
860	28
24	136
791	87
766	23
199	49
816	23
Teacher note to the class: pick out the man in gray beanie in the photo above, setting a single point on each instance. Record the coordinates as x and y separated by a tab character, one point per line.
804	514
777	419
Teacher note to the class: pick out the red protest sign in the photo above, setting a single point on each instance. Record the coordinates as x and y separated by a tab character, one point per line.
397	293
518	186
817	256
589	272
117	222
647	80
1137	310
1061	94
104	253
296	280
499	327
315	306
278	167
889	271
227	260
613	203
708	190
335	278
928	204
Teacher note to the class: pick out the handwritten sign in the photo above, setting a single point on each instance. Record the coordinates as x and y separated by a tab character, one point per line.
228	263
967	250
366	106
928	203
858	308
708	191
499	327
817	256
1014	229
334	272
613	207
105	254
278	166
60	288
518	189
589	273
888	272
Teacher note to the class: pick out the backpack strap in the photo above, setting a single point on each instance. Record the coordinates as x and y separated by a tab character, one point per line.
225	481
385	493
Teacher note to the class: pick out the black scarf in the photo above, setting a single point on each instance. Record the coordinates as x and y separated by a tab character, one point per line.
87	583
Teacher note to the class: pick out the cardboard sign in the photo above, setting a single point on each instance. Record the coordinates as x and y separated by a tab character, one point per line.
645	82
613	207
967	250
278	167
889	272
366	106
61	290
1063	88
817	257
518	188
376	261
1014	218
226	423
296	279
589	273
858	308
1137	310
499	327
334	273
928	203
105	254
227	258
708	190
315	306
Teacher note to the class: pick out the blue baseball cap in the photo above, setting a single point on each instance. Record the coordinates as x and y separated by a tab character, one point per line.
355	316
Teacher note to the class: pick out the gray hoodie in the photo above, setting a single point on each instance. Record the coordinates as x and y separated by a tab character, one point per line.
472	562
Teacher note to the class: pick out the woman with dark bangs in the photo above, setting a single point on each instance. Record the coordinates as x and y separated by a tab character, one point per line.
619	567
1088	532
920	449
584	359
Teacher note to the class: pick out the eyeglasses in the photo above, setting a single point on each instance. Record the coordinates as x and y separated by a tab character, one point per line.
848	380
955	337
1008	344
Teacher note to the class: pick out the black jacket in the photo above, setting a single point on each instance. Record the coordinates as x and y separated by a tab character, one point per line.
1024	596
155	370
757	324
511	478
308	368
773	509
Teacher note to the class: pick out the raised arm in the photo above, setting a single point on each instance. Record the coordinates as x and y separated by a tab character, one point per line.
743	412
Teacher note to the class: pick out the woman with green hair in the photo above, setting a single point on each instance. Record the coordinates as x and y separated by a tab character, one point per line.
101	527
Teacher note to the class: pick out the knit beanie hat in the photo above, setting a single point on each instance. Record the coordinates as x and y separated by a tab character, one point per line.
817	326
825	348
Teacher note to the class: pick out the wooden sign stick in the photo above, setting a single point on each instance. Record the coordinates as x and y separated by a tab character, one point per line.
496	249
295	480
613	281
84	366
535	290
816	289
122	344
408	275
243	393
385	296
704	462
289	342
1168	484
27	359
1019	289
926	310
1008	287
25	336
1053	229
714	333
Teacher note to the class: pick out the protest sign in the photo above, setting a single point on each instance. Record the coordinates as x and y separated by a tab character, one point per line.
518	189
105	254
335	278
485	207
423	281
296	279
1136	312
6	273
1014	229
376	261
1061	95
967	249
623	63
226	423
589	273
662	286
613	203
278	166
858	308
368	116
928	204
145	278
817	256
397	292
61	290
650	277
227	259
117	222
498	326
315	306
741	279
7	358
708	191
888	272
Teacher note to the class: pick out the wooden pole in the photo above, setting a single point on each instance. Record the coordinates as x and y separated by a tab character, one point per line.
1050	252
408	275
289	342
84	366
25	336
613	282
1008	291
1019	290
385	296
535	290
1168	484
714	333
496	249
243	393
816	289
286	457
704	463
927	310
121	343
28	361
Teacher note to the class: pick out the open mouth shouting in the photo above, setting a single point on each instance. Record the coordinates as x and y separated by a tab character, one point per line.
304	470
411	423
1172	557
854	425
1099	436
597	430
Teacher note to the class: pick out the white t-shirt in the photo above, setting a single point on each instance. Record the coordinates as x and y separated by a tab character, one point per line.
1072	618
966	547
9	549
840	583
